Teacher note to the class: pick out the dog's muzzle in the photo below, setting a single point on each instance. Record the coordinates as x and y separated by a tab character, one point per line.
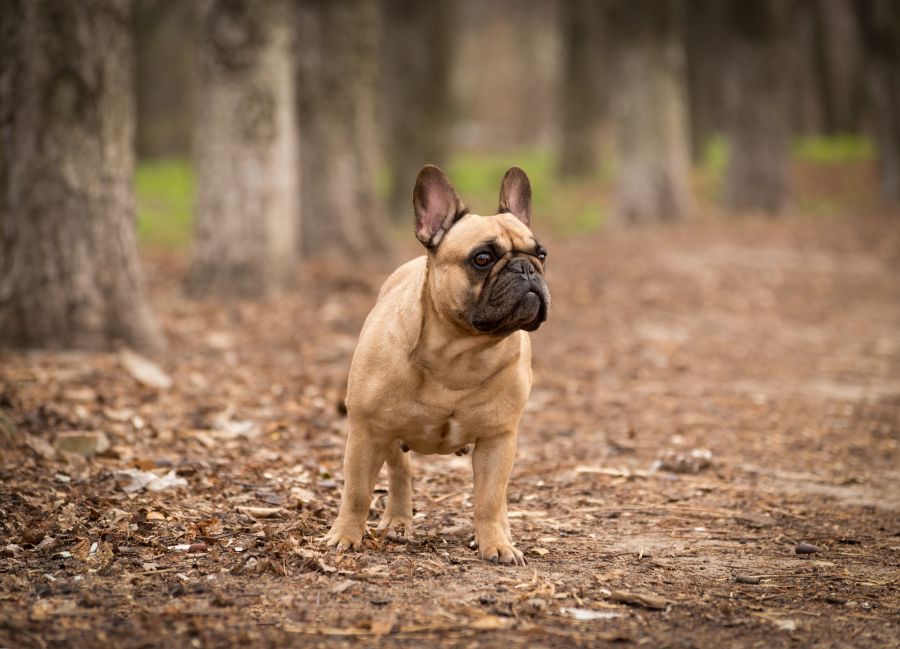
519	299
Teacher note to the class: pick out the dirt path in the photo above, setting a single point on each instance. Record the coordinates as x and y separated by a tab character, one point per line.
707	398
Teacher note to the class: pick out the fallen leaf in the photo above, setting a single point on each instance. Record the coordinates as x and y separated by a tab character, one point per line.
807	548
120	415
647	600
133	480
383	625
79	394
40	446
84	443
343	586
586	614
489	622
693	462
144	371
262	512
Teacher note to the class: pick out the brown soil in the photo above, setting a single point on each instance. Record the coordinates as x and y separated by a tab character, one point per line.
774	346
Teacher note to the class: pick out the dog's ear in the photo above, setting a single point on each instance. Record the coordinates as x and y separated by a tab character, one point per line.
515	195
436	205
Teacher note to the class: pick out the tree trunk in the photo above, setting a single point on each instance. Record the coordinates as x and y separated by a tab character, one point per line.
416	45
165	32
69	275
879	23
842	61
338	68
704	42
827	88
649	111
756	98
245	149
584	75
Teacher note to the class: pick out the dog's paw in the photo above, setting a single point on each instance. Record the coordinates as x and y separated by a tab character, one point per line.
344	536
400	524
494	545
505	553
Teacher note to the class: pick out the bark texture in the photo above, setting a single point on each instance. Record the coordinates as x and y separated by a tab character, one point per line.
649	111
245	149
584	73
879	22
417	53
705	40
825	57
69	275
165	32
757	125
337	94
506	74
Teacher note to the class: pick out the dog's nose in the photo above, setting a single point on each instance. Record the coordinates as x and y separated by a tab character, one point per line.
522	266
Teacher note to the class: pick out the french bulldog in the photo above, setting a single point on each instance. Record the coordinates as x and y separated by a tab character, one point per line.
444	361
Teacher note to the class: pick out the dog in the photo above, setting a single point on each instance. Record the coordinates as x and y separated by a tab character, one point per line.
444	361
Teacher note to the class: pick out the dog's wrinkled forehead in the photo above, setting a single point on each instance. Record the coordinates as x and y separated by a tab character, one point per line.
474	230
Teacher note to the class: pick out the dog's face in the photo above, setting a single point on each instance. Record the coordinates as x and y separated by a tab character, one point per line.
486	273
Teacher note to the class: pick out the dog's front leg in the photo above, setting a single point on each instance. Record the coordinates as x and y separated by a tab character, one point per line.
362	462
492	462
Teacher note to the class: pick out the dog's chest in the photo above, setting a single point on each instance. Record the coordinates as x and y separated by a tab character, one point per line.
446	437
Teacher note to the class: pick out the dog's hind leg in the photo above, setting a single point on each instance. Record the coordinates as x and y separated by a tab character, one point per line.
398	512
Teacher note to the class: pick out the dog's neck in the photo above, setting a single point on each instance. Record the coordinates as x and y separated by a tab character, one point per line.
455	356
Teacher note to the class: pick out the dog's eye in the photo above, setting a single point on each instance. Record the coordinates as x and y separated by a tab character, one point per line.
541	254
482	260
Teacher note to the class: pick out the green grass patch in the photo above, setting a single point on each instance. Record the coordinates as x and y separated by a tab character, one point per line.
833	149
564	208
165	203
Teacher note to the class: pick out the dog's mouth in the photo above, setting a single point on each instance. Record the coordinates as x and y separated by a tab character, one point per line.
528	313
535	301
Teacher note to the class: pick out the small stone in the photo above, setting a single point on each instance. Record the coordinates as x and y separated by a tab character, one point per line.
198	547
540	552
47	544
83	443
807	548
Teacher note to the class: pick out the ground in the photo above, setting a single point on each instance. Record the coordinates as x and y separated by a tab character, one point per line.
709	398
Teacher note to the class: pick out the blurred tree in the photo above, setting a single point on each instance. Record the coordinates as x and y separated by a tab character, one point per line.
506	67
704	42
757	124
827	87
245	149
69	273
879	24
584	77
165	32
417	51
337	94
649	110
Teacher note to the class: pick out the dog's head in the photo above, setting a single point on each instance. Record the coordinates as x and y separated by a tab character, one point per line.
486	273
